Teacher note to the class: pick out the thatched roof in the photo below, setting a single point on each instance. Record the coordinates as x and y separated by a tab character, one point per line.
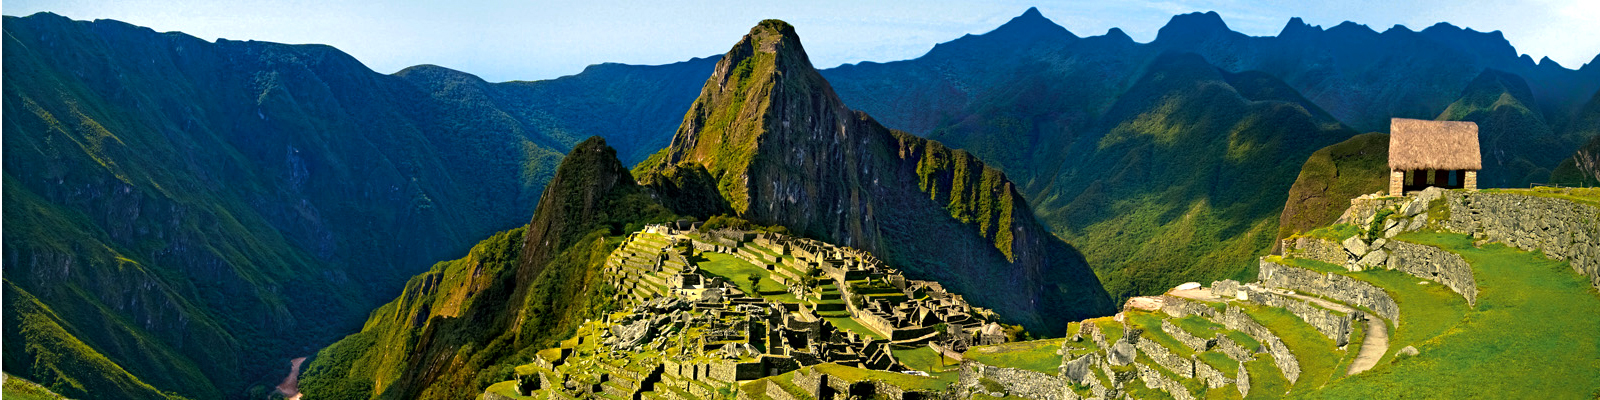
1418	144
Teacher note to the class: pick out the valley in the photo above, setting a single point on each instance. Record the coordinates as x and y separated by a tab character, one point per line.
1023	213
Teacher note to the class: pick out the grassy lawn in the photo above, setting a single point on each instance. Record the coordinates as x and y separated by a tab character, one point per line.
1533	332
737	270
1036	355
1426	311
926	360
850	324
1316	353
1358	333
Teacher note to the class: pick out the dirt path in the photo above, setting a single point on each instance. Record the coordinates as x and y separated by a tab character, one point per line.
291	384
1373	348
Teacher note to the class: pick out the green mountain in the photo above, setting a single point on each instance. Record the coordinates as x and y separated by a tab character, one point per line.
184	216
1128	150
463	324
1330	178
782	149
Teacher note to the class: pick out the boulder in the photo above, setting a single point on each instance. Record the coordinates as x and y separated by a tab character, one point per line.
1077	371
1355	246
1418	223
1375	258
1122	353
1409	350
1378	244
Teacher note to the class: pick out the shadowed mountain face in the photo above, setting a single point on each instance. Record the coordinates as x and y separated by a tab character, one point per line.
783	149
182	216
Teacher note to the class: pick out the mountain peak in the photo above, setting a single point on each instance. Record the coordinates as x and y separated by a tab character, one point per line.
1298	28
1030	24
1192	25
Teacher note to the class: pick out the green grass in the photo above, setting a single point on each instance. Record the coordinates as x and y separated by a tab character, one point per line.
507	389
1336	232
1316	353
1198	326
1426	311
1358	333
1221	362
21	389
1243	340
1151	323
737	270
1533	332
850	324
1266	381
926	360
1037	355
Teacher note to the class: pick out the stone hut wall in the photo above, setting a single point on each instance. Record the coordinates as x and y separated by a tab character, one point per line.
1235	319
1563	230
1334	286
1434	264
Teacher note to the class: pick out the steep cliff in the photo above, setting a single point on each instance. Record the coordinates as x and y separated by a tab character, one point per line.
783	149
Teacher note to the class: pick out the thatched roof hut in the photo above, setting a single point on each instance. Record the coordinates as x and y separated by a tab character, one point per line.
1416	144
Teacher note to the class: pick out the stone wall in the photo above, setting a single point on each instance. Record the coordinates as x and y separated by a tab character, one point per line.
1434	264
1155	380
1183	336
1234	350
1319	249
1225	288
1020	382
1210	375
1242	381
1164	357
1235	318
1363	208
1179	307
1562	229
1334	286
1335	325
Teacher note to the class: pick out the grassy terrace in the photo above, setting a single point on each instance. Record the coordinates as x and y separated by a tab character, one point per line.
1426	311
1534	316
1266	381
926	360
1316	353
1036	355
904	381
850	324
738	271
1151	323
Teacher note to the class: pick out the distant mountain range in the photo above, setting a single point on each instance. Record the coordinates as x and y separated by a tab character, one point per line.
183	216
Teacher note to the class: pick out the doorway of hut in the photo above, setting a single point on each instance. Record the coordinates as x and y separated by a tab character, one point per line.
1417	180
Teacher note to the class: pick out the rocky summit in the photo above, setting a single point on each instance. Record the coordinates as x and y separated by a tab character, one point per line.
784	150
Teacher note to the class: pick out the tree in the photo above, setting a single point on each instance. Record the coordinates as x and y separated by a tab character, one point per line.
943	344
754	281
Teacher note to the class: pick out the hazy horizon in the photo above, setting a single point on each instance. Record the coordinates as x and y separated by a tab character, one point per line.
505	40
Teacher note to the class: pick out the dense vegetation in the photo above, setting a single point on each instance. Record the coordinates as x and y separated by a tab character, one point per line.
1330	178
197	213
467	323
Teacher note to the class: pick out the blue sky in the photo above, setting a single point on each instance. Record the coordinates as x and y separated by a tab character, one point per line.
502	40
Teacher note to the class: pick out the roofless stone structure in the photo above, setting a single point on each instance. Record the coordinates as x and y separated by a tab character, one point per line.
1432	153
